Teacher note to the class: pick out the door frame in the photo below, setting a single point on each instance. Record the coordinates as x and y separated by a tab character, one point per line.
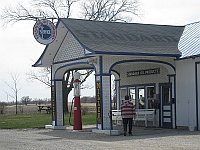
162	111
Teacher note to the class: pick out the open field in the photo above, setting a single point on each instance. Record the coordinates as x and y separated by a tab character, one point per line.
39	120
27	109
29	117
35	120
32	108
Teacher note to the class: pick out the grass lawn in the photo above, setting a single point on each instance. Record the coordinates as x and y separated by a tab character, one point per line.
38	120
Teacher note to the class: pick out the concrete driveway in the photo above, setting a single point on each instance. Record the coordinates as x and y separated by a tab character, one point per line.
143	138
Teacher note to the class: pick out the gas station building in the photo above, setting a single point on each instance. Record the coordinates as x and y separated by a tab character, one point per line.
157	62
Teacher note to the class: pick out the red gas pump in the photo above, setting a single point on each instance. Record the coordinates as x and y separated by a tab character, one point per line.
77	105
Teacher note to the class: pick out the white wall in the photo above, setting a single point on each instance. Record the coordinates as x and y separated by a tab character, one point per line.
198	84
185	92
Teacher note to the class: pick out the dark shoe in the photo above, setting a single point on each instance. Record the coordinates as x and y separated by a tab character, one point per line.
130	134
124	133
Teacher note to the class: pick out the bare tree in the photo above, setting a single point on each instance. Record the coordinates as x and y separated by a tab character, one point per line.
25	100
2	107
110	10
101	10
43	76
57	8
51	9
14	88
68	84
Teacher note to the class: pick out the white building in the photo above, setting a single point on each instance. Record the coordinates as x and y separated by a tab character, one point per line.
145	60
188	78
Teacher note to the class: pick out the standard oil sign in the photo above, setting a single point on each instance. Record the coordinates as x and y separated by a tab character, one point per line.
44	31
143	72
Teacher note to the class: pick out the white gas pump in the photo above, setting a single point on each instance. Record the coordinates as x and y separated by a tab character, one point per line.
77	105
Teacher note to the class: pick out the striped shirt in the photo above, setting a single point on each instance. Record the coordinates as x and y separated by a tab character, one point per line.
127	110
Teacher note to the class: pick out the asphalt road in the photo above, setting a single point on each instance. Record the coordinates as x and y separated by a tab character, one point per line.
143	139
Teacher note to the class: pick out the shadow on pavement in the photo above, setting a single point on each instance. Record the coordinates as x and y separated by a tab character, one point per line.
138	133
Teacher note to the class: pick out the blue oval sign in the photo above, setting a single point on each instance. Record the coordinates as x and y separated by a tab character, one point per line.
44	31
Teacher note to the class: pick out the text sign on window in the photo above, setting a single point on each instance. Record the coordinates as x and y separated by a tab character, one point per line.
143	72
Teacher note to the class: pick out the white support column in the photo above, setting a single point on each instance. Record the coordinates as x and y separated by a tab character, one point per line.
103	94
59	115
117	84
106	96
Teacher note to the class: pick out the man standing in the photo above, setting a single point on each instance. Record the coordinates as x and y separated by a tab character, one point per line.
127	112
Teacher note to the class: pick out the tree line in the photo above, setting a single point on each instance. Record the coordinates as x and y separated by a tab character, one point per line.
25	100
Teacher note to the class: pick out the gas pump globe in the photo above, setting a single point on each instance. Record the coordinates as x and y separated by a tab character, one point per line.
77	84
77	105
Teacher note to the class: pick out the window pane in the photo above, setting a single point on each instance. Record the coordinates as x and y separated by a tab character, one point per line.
151	97
141	98
132	95
123	93
166	98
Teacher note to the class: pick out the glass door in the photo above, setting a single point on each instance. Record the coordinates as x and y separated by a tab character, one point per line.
151	97
166	114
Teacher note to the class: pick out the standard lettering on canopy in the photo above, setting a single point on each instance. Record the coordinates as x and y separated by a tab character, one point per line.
126	36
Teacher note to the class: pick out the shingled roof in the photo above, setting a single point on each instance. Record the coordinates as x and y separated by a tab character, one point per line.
189	43
110	38
100	37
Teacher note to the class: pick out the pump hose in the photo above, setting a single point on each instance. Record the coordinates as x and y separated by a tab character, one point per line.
70	114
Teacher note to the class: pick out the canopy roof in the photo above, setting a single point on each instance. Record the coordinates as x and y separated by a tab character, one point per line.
114	38
126	38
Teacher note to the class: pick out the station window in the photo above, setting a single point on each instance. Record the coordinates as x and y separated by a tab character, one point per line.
143	97
123	93
150	97
132	94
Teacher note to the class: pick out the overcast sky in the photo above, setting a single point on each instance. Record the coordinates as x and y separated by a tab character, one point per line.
19	50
